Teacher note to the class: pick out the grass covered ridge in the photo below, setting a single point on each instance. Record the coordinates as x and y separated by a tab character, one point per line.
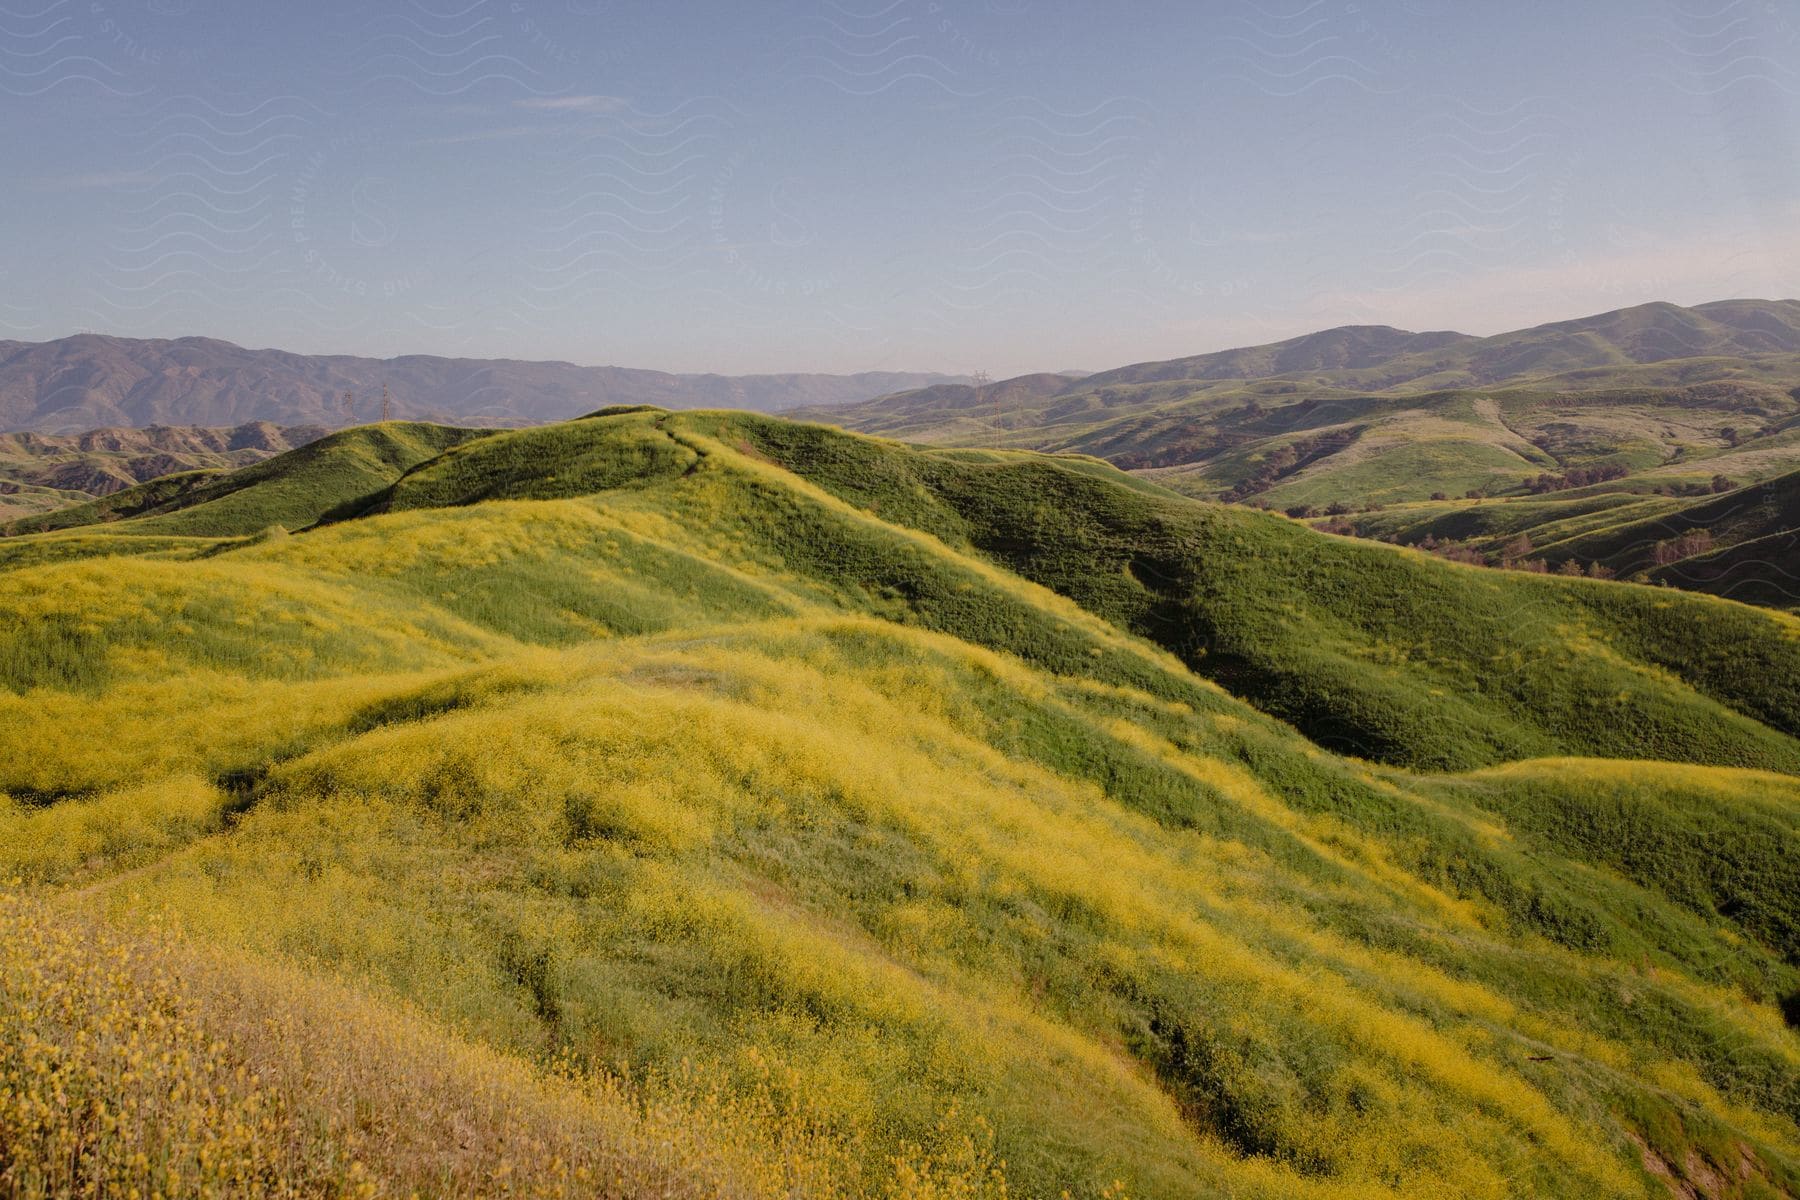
140	1062
1372	652
881	788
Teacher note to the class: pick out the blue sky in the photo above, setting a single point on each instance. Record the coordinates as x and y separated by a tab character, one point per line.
1000	185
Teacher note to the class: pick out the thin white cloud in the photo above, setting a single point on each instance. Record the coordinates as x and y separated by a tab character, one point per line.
1269	237
572	104
483	135
95	181
459	109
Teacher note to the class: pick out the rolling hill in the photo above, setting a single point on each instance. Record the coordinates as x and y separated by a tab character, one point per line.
1374	450
733	806
1653	406
1738	543
1630	347
41	472
1380	358
1366	415
89	380
343	468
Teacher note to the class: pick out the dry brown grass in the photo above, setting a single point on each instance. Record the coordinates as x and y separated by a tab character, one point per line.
139	1065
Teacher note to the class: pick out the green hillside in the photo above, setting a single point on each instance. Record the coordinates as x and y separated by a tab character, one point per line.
1736	543
1758	571
1291	444
1381	358
1641	382
330	477
43	472
1411	434
739	807
1384	655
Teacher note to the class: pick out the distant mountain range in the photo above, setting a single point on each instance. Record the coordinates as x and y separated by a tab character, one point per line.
1597	440
87	381
1612	348
1368	414
1378	357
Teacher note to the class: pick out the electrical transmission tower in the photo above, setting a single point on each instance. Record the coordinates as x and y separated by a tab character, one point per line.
386	406
349	406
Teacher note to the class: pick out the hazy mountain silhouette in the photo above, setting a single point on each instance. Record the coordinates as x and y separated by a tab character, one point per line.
90	380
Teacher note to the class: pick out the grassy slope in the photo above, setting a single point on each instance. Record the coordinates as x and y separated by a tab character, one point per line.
41	473
1391	466
1318	447
264	1081
1758	571
1748	346
1369	650
1675	397
127	502
1209	437
331	477
1733	361
1742	515
1598	347
20	500
1751	527
717	764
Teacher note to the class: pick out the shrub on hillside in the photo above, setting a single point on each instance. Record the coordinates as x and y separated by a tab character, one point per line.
1672	550
1577	478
